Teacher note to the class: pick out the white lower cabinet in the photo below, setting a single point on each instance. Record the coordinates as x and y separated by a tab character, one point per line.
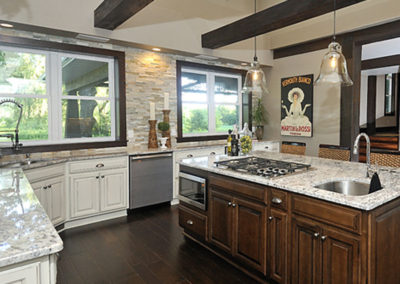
94	193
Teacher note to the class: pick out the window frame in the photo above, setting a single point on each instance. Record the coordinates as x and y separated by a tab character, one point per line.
184	66
118	57
392	95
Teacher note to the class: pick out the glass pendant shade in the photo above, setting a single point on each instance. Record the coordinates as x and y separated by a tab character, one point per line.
334	67
255	79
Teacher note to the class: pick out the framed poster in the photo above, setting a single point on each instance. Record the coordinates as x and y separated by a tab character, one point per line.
297	105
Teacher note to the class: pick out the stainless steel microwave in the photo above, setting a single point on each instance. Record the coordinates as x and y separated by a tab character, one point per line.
193	190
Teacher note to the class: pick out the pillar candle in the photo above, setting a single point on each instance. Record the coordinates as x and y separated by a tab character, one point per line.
152	111
166	101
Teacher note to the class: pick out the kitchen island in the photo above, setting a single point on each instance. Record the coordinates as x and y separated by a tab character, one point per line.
286	230
28	240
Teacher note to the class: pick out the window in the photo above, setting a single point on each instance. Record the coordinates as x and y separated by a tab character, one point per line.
389	95
67	98
209	101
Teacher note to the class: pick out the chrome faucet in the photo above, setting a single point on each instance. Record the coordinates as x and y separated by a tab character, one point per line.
16	144
356	146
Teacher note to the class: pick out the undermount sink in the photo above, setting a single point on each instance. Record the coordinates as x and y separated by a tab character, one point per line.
346	187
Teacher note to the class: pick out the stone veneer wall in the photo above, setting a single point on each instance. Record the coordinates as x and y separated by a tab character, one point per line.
148	76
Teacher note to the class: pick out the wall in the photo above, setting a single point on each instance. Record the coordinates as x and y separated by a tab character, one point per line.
363	99
326	128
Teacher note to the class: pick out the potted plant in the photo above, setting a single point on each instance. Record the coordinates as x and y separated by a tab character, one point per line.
259	119
163	127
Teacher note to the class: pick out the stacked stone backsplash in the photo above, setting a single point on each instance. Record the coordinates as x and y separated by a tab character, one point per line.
149	75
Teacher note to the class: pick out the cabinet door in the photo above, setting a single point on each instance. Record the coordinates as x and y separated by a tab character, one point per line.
277	230
250	230
26	274
84	197
113	190
221	220
341	259
38	189
55	194
306	251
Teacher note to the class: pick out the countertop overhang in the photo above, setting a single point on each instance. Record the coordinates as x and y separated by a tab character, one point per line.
322	170
26	231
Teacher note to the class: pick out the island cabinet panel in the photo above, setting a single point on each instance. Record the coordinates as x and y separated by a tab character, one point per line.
306	252
277	256
221	220
250	230
193	222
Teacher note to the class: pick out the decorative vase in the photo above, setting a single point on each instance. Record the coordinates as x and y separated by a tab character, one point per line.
163	141
260	132
152	144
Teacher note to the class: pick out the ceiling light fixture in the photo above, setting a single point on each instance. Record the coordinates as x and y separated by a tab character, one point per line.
255	77
334	66
6	25
156	49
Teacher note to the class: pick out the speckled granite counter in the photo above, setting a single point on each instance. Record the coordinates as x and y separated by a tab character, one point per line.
25	229
322	170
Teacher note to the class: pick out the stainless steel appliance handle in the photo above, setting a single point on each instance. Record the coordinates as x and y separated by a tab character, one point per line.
276	200
192	178
150	157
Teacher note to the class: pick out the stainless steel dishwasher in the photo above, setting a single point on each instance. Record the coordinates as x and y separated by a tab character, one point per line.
151	179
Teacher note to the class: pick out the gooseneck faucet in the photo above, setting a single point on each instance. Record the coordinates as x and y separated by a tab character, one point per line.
16	144
356	146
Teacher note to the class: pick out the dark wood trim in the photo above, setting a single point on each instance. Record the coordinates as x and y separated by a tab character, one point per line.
182	64
371	105
119	58
293	143
337	147
270	19
389	129
363	36
112	13
380	62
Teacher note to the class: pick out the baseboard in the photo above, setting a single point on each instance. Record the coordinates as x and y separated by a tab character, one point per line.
93	219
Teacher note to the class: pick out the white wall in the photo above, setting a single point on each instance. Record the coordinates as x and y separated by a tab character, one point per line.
363	99
326	125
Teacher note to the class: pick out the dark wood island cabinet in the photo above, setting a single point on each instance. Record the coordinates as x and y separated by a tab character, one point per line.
278	236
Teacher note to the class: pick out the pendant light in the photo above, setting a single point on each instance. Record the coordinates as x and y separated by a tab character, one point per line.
255	77
334	66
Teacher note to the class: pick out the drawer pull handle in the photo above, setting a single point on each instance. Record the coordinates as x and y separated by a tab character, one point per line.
270	218
102	176
212	153
266	147
49	186
44	187
189	222
316	235
190	156
276	200
100	165
97	177
323	238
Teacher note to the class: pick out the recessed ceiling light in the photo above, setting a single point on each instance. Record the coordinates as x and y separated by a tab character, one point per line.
5	25
156	49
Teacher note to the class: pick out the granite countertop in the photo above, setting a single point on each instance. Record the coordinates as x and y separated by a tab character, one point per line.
25	229
322	170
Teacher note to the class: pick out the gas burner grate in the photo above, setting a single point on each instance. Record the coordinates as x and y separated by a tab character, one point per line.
262	167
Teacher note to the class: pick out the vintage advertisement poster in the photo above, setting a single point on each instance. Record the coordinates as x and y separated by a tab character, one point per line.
297	106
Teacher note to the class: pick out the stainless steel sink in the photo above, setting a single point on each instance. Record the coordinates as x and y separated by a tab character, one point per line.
347	187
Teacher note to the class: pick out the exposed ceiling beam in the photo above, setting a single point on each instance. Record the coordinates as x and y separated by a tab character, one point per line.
112	13
279	16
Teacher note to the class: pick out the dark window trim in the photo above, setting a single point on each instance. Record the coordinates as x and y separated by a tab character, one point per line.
392	97
119	57
182	64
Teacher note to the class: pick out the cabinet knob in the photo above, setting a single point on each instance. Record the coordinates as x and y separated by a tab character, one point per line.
100	165
189	222
229	203
190	156
270	218
276	200
316	235
233	205
212	153
49	186
97	177
323	238
102	176
44	187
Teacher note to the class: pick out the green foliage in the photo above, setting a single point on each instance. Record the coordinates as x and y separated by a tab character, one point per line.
259	113
195	121
163	126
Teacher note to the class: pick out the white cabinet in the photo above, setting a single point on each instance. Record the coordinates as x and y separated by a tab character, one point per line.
84	194
100	189
28	274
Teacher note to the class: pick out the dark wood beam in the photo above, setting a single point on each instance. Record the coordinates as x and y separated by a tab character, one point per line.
279	16
112	13
371	105
380	62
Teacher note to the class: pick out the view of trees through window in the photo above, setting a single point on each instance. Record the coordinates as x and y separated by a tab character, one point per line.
210	102
82	107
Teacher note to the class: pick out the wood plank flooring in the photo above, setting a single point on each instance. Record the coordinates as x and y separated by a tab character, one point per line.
145	247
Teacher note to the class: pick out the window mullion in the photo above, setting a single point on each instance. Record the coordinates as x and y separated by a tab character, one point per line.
56	97
211	102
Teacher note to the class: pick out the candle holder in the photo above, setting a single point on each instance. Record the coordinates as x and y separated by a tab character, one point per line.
152	144
167	133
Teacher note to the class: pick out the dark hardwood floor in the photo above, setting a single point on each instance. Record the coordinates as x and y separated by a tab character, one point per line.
145	247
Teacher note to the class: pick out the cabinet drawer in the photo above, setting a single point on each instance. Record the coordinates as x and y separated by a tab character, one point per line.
335	215
97	164
278	199
192	221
